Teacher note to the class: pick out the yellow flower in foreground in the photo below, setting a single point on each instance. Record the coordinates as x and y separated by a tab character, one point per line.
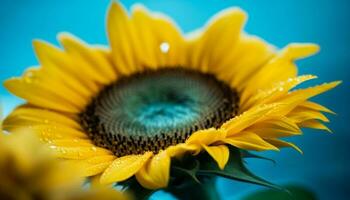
155	95
29	171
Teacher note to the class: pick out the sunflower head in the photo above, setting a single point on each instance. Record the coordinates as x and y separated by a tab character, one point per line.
157	97
29	171
152	110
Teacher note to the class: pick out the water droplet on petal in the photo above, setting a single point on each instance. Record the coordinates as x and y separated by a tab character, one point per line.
53	147
164	47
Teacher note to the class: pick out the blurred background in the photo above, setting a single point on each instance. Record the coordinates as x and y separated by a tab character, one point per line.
324	167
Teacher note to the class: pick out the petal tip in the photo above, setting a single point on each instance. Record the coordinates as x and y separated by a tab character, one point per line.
297	51
115	7
62	36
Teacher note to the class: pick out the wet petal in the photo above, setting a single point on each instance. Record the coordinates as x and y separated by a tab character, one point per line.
279	68
78	152
248	118
155	174
249	141
124	167
280	143
206	137
315	124
219	153
94	165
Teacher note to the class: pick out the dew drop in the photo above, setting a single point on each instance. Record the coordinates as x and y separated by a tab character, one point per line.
164	47
53	147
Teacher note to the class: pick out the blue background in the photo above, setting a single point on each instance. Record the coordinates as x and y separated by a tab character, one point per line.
325	163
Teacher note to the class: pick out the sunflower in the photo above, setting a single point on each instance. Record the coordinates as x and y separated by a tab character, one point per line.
156	95
29	171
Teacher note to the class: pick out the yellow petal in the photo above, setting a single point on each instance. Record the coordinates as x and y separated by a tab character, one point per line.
303	114
206	137
276	91
41	79
172	49
221	34
79	152
280	143
219	153
121	37
315	124
72	142
49	132
249	141
242	61
275	127
279	68
124	167
35	94
315	106
94	165
96	66
296	51
248	118
302	95
147	46
155	173
160	43
34	116
180	149
292	100
58	65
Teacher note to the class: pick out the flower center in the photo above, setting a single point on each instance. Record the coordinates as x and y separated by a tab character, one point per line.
152	110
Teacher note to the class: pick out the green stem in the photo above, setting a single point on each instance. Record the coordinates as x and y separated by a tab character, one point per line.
205	190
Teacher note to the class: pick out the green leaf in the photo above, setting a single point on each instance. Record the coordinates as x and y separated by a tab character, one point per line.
190	171
247	154
234	169
294	193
